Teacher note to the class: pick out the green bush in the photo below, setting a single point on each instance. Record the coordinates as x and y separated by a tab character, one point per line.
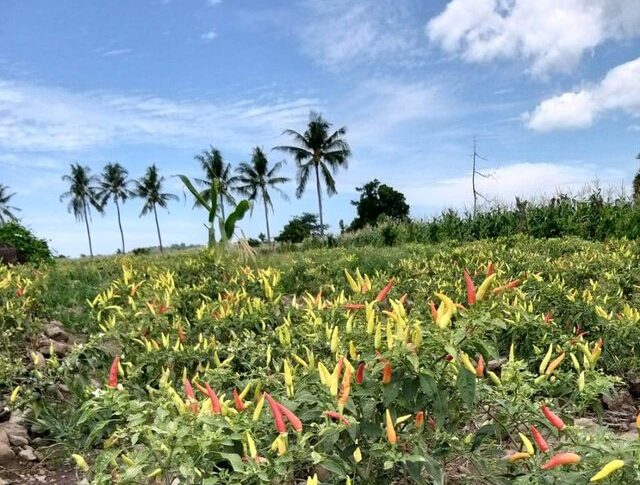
30	248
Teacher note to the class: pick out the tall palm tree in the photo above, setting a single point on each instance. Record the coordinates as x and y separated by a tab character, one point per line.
82	195
215	168
149	188
115	185
636	184
321	151
6	210
255	179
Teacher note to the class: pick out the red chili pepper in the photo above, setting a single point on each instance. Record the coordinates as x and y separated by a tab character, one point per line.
191	397
215	402
276	412
385	291
353	306
540	441
360	373
448	357
337	417
471	288
552	418
432	423
237	401
434	311
181	334
292	418
20	292
490	269
560	459
113	372
419	419
386	373
480	366
548	318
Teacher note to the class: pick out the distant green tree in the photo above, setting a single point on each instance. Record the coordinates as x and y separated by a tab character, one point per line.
318	150
82	195
149	188
378	199
6	210
255	179
115	185
215	169
300	228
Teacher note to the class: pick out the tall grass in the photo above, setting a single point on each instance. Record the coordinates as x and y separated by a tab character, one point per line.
591	217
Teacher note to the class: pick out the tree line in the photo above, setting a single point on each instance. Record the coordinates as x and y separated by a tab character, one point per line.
317	152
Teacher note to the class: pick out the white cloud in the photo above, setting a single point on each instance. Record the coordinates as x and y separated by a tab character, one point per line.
522	179
551	35
340	33
116	52
36	118
209	36
618	91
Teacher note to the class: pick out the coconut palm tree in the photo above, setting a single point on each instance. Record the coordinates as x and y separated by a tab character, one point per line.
6	210
636	184
318	150
149	188
115	185
82	195
256	178
215	168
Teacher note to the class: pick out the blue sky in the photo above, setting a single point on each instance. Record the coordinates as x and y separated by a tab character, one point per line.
551	90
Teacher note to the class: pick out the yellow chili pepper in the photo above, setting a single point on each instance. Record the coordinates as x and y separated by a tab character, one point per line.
251	445
521	455
258	410
80	462
527	444
14	394
357	455
155	473
494	378
466	362
545	361
607	470
482	289
581	382
391	432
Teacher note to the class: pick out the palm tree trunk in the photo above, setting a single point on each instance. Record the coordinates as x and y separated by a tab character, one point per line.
319	200
266	217
120	225
86	221
222	207
155	214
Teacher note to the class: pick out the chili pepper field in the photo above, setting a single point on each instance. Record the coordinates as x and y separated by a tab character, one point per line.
496	362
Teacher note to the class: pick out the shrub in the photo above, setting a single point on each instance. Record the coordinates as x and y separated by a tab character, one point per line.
30	248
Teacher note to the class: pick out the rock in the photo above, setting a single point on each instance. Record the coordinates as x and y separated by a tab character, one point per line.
27	454
620	400
12	429
4	414
18	418
18	440
6	454
45	345
54	330
4	437
585	423
631	435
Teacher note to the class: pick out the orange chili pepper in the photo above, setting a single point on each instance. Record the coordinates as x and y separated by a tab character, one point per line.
295	422
552	418
540	441
386	373
471	288
561	459
385	291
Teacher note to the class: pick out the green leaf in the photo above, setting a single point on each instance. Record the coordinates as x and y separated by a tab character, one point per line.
467	387
483	433
334	465
238	213
197	195
235	460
